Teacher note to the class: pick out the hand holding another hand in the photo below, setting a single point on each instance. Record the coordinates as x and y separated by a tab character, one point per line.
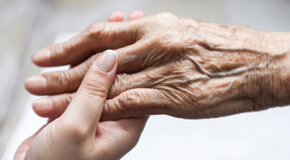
77	133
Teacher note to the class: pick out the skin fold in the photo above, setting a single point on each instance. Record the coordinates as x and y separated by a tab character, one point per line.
172	65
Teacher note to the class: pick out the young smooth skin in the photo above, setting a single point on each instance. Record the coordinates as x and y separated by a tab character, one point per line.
172	65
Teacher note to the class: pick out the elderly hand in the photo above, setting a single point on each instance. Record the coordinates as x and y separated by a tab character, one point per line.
172	65
78	134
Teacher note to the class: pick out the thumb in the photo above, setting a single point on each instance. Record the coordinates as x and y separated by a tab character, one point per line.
86	107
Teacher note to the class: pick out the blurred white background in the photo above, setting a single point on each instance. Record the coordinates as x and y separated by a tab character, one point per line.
28	25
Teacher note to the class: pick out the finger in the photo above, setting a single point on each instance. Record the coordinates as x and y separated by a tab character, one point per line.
136	103
53	106
116	16
95	38
143	79
85	109
68	81
58	82
135	15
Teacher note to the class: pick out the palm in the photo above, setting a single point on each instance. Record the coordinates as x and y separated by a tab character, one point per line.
106	137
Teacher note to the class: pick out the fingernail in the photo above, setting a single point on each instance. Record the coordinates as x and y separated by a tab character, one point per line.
35	83
41	56
42	106
107	62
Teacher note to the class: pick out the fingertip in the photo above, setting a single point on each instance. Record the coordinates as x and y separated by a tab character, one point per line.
116	16
135	15
35	84
107	62
42	106
41	57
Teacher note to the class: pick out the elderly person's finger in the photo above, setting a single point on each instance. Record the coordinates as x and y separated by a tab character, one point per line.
136	103
60	81
69	80
144	102
54	106
135	15
95	38
119	16
116	16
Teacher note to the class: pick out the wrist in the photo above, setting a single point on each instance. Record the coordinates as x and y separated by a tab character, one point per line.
261	57
274	80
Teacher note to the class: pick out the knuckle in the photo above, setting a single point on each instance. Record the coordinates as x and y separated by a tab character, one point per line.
95	30
63	81
94	88
118	107
115	88
165	15
110	109
60	50
58	81
122	82
168	39
165	18
131	98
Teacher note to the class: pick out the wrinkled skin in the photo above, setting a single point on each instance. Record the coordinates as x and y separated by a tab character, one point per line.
175	66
